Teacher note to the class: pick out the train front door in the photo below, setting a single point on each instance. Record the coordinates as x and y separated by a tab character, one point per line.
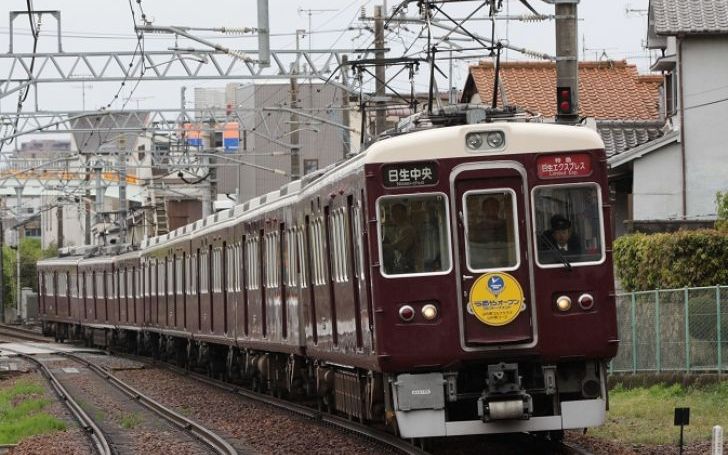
492	226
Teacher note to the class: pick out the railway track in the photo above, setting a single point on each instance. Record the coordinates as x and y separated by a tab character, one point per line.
102	441
377	436
99	439
22	333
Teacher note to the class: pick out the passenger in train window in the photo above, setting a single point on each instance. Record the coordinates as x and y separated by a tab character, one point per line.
401	244
491	227
559	238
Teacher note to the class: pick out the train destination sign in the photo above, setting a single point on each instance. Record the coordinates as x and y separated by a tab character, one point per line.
410	174
571	165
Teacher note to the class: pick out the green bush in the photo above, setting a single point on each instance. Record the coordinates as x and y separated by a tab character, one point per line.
721	202
672	260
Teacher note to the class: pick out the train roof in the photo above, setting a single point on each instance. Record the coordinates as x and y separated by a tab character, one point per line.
520	137
67	261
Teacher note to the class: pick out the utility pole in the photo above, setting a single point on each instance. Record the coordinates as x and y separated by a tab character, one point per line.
381	114
99	201
19	193
295	146
122	196
567	65
346	119
59	219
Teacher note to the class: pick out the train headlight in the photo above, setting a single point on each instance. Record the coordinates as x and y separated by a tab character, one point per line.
474	141
429	312
406	313
563	303
495	139
586	301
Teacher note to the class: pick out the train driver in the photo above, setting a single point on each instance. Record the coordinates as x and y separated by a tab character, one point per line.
559	238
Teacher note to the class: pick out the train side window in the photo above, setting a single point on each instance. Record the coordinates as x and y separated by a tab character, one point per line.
74	284
301	249
252	266
568	224
179	276
414	234
130	283
194	275
122	282
99	285
110	291
272	266
204	273
169	284
49	283
358	242
491	230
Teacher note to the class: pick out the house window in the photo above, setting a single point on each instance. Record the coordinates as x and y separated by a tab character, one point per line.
310	166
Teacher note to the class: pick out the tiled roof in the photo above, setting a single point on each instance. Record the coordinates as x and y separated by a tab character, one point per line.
671	17
607	90
620	136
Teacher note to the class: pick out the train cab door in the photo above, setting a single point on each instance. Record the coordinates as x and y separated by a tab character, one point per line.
492	225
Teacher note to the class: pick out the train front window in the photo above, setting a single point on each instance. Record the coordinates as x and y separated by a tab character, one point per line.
568	225
491	230
414	234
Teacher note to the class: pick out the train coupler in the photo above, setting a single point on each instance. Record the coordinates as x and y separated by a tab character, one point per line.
504	399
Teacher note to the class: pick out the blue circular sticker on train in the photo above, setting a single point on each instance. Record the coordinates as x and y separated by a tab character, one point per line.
496	284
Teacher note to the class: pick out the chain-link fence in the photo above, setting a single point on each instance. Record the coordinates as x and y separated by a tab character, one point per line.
673	330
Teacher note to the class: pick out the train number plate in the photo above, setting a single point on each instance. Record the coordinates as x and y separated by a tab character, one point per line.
410	174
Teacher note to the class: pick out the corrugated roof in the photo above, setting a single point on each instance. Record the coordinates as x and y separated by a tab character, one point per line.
611	90
671	17
620	136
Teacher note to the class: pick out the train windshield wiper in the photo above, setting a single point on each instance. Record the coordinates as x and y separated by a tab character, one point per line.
562	258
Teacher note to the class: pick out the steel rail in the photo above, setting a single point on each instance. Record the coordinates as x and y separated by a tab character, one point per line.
359	429
22	334
216	442
98	438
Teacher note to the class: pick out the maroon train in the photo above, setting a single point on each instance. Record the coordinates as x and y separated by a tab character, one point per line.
416	284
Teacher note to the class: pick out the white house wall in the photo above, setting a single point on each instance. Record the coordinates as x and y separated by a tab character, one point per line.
705	79
656	191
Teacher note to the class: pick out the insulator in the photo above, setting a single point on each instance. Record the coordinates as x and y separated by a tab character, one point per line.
238	54
238	30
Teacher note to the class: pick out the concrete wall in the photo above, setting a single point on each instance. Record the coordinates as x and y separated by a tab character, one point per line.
705	80
656	190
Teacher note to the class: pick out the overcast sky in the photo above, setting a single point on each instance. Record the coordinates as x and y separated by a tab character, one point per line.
606	30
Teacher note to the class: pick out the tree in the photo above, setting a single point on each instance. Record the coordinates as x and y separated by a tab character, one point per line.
30	254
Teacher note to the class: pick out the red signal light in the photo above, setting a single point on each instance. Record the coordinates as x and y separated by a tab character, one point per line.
563	101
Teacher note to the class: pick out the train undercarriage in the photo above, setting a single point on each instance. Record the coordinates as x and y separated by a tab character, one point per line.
478	398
